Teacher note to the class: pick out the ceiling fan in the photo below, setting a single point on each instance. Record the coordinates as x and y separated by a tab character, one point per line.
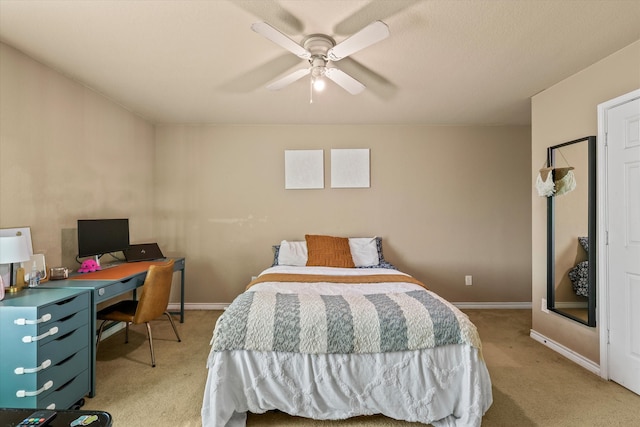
321	50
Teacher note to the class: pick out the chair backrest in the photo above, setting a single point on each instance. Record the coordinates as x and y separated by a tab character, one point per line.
155	293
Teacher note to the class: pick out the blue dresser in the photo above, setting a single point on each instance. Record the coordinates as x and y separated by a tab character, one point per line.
45	358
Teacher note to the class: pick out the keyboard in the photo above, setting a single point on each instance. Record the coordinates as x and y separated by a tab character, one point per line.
110	265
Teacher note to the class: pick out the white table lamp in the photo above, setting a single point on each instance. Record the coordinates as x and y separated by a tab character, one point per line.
14	249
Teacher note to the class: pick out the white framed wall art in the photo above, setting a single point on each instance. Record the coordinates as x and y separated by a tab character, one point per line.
303	169
350	168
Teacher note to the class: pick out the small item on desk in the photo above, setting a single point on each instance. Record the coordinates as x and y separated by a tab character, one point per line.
88	266
38	419
34	277
59	273
84	420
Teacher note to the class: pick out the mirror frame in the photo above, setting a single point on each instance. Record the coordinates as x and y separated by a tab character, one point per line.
591	256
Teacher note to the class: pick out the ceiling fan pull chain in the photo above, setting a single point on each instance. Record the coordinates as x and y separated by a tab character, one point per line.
311	90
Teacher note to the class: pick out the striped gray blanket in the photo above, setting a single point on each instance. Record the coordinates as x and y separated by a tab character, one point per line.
351	323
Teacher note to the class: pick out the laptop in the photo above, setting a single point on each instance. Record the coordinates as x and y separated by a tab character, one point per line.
143	252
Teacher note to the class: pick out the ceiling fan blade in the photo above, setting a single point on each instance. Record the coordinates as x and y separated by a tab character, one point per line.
271	11
369	35
344	80
288	79
375	83
280	39
261	75
375	9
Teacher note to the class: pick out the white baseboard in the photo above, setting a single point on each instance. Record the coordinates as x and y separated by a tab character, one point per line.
493	305
197	306
589	365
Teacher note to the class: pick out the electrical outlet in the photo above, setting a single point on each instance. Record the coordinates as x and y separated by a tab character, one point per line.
544	306
468	280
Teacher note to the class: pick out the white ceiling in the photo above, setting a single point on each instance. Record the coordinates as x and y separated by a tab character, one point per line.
446	61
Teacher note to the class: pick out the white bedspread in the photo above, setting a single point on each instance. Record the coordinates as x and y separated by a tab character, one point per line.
443	386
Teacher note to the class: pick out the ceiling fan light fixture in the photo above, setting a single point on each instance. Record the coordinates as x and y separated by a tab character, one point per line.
318	70
318	84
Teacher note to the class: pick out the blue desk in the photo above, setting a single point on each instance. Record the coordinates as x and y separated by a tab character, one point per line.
105	289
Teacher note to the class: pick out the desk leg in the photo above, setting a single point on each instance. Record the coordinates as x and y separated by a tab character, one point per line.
182	296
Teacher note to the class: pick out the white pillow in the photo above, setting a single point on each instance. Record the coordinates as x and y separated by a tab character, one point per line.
292	253
364	251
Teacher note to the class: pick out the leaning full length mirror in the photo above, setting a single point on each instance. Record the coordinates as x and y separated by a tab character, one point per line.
571	226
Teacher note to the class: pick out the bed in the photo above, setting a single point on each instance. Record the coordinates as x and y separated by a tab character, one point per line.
340	333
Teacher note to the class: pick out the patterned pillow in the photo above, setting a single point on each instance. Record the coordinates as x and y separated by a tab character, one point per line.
328	251
584	242
276	254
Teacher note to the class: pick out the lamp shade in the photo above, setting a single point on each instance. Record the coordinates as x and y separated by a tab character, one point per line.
14	249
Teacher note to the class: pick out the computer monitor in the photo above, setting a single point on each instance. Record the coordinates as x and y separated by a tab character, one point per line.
102	236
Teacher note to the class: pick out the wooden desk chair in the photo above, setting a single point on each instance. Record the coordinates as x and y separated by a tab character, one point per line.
153	303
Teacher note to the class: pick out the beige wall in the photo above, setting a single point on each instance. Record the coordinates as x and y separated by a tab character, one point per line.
67	152
448	201
565	112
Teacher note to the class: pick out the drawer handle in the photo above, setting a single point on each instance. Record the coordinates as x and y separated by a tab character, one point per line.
44	365
24	393
45	318
28	339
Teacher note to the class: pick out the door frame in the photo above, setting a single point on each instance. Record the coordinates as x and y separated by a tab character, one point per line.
602	284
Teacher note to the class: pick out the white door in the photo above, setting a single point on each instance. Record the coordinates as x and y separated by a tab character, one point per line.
622	235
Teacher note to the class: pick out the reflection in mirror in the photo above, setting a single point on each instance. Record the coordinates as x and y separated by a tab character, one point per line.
571	224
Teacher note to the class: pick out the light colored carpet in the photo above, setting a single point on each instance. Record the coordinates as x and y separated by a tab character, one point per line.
532	385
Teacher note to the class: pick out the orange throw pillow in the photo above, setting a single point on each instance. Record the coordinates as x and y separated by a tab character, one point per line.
328	251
